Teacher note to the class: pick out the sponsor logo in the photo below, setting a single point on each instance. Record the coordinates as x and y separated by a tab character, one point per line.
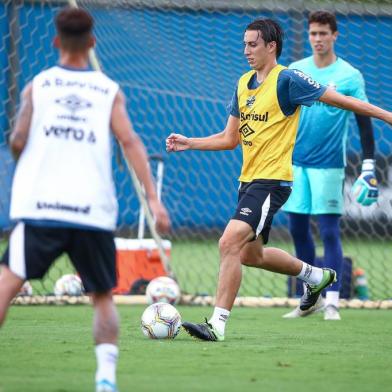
333	203
245	211
72	117
250	101
307	78
73	103
70	133
63	207
332	85
246	130
254	117
58	82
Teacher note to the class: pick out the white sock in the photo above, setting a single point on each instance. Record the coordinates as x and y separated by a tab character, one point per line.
332	298
219	318
310	274
107	355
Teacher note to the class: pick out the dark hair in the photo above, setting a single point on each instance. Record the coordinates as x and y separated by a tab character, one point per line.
270	32
323	17
74	27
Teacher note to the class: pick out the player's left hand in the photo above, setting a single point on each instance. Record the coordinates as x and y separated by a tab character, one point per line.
365	188
162	220
176	142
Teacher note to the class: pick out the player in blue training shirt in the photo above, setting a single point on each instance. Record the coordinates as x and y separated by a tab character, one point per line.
319	158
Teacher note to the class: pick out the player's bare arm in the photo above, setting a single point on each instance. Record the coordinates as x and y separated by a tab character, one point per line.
331	97
228	139
20	133
136	155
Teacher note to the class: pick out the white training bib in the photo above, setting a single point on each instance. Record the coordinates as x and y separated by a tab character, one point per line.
65	172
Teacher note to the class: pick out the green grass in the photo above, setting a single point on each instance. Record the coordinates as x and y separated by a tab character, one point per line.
50	349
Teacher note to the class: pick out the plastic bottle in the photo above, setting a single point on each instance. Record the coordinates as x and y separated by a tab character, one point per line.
361	289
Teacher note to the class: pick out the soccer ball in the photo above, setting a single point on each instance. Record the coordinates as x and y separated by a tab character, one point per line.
26	289
161	321
68	284
163	289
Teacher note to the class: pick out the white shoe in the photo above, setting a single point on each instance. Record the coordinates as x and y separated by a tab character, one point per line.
297	312
331	312
105	386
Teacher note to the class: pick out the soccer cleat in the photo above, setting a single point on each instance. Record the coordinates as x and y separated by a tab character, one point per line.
203	331
312	292
297	312
331	312
105	386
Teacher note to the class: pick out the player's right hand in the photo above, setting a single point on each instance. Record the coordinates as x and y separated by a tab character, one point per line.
162	220
365	189
176	142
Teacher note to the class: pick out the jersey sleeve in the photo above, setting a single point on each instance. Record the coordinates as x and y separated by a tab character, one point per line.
303	90
296	88
233	107
357	87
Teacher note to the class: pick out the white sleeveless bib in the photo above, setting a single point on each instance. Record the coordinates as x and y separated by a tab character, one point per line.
65	172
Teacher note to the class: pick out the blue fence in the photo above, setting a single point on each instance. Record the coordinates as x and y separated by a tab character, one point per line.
184	84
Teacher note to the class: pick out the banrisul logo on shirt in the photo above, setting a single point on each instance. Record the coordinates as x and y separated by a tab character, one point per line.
250	101
254	117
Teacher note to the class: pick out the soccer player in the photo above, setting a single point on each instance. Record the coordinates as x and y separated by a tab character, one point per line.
264	117
319	158
63	195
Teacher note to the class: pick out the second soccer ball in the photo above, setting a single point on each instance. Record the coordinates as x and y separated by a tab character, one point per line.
163	289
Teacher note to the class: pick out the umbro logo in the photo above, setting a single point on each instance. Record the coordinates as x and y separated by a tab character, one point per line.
245	211
73	103
250	101
246	130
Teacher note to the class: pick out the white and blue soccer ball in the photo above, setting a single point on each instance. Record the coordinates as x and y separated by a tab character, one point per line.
161	321
26	289
68	284
163	289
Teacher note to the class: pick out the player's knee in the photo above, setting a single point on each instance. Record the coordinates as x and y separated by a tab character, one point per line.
255	261
298	232
247	261
228	245
252	259
102	298
329	234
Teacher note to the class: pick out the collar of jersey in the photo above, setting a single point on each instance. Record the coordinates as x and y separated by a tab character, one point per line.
88	69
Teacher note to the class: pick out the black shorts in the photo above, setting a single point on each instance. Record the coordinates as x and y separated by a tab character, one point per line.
258	202
33	249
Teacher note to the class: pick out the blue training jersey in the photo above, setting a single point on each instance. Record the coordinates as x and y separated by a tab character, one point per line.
322	131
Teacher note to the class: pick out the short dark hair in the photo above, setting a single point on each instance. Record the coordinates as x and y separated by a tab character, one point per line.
270	32
323	17
74	27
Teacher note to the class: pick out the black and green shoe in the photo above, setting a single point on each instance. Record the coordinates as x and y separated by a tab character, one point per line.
312	292
203	331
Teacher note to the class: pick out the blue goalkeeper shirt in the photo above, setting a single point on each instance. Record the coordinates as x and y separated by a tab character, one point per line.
322	131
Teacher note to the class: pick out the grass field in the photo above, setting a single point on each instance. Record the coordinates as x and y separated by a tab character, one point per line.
49	349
